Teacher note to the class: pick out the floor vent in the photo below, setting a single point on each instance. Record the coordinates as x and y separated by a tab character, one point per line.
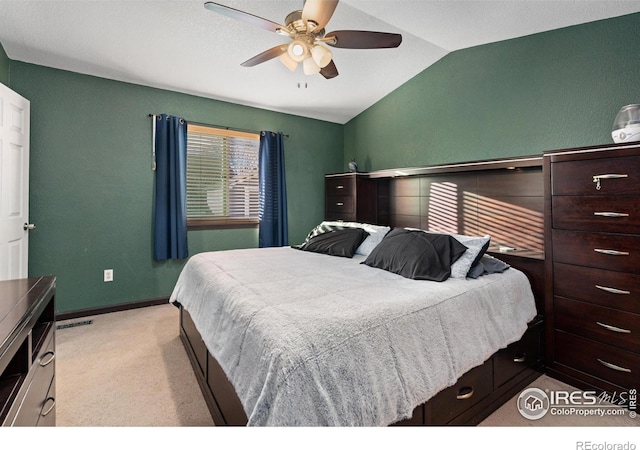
74	324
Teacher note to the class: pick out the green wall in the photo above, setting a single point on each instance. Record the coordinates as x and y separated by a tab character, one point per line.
5	64
551	90
92	186
91	183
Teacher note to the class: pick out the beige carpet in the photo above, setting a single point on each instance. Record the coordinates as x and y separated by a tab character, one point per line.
129	369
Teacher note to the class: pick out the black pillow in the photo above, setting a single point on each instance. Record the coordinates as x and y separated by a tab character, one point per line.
476	265
476	271
487	265
336	242
415	254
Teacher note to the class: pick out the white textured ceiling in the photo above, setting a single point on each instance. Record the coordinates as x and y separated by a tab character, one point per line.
181	46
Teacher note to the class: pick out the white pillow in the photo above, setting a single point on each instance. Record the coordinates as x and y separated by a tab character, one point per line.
376	233
475	246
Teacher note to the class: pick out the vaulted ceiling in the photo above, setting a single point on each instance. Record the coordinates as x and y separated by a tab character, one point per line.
184	47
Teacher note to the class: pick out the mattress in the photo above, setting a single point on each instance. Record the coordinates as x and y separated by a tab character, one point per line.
308	339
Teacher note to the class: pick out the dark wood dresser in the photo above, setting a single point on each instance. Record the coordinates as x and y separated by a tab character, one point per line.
351	197
592	307
27	352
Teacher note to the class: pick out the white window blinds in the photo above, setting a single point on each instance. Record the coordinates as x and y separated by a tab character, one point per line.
222	177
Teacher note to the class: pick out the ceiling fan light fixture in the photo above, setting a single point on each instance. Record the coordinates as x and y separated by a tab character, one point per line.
306	29
288	62
310	67
321	55
298	50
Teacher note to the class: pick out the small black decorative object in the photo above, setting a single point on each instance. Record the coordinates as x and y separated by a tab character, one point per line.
353	166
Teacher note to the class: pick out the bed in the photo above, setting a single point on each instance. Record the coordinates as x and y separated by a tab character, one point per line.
287	337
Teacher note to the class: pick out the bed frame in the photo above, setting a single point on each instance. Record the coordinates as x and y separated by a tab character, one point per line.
503	198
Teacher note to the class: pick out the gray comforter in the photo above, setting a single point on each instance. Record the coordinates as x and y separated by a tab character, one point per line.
310	339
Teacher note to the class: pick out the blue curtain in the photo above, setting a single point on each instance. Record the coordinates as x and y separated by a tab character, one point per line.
170	214
274	228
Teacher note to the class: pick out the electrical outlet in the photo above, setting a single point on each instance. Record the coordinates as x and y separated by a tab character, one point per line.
108	275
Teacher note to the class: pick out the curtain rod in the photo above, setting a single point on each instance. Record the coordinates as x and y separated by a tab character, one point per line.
220	126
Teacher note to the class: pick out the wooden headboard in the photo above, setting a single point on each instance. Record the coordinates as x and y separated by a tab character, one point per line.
503	198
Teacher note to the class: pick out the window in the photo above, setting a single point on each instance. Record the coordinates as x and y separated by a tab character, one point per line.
222	178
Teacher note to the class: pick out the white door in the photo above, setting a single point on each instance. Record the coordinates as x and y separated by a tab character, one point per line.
14	184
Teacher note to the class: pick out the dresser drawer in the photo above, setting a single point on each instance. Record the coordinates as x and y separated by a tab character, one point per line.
48	413
602	250
611	326
617	290
345	217
344	185
43	370
610	363
577	177
518	356
341	204
472	387
606	214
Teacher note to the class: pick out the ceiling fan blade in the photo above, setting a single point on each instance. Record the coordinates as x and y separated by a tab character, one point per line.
319	11
265	56
363	39
330	71
244	17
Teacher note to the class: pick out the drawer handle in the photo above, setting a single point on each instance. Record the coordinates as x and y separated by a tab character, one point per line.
53	405
610	252
340	187
613	366
612	328
610	214
613	290
520	358
49	361
464	393
607	176
339	204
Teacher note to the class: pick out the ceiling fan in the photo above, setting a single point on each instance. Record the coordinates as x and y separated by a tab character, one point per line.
305	27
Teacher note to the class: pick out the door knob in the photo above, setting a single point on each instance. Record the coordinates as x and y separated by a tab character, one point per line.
28	226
